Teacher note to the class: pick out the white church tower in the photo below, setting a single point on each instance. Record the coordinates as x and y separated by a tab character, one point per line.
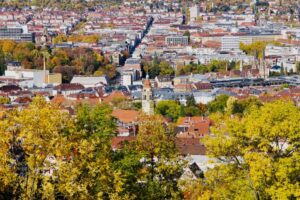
147	98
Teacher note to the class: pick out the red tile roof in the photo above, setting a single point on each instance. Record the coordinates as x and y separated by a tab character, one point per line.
125	116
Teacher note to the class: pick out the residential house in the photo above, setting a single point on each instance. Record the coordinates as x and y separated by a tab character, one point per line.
126	121
164	81
193	127
67	88
90	81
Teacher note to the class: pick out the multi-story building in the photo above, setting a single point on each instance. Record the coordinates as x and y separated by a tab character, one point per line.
230	43
29	78
177	40
20	34
194	12
127	79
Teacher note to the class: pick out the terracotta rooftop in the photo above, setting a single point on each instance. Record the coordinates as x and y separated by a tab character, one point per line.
125	116
115	95
147	83
190	146
193	127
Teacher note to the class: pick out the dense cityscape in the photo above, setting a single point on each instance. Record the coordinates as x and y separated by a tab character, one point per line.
150	100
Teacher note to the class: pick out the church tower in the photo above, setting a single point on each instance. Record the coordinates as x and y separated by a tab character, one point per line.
147	98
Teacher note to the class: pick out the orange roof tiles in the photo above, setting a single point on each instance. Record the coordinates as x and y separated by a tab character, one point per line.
115	95
126	116
196	127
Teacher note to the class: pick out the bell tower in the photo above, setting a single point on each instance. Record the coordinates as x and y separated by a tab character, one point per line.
147	97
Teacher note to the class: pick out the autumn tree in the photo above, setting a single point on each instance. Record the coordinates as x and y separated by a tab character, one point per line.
242	106
31	143
191	108
219	104
4	100
165	69
92	174
8	47
2	62
257	155
192	68
161	165
110	70
67	72
46	154
256	48
60	39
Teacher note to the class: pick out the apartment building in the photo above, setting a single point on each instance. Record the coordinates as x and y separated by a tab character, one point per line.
17	33
230	43
177	40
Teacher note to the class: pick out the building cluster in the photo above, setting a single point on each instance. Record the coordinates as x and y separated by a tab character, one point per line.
30	25
121	29
133	34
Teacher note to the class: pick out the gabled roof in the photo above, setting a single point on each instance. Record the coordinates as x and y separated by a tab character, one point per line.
10	88
115	95
89	80
125	116
190	146
69	86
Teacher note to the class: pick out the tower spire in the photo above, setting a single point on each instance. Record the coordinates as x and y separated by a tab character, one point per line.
147	97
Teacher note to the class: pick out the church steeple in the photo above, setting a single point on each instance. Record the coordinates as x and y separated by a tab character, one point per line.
147	97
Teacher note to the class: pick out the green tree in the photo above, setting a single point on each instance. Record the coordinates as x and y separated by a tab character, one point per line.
297	67
217	66
242	106
2	62
188	34
165	69
169	108
192	68
191	109
95	120
219	104
92	173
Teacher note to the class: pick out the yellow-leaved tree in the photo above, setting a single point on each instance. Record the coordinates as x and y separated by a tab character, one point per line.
47	154
32	142
258	155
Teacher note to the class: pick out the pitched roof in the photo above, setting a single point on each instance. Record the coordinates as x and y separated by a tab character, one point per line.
115	95
9	88
194	127
89	80
69	86
147	83
23	100
190	146
203	86
125	116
